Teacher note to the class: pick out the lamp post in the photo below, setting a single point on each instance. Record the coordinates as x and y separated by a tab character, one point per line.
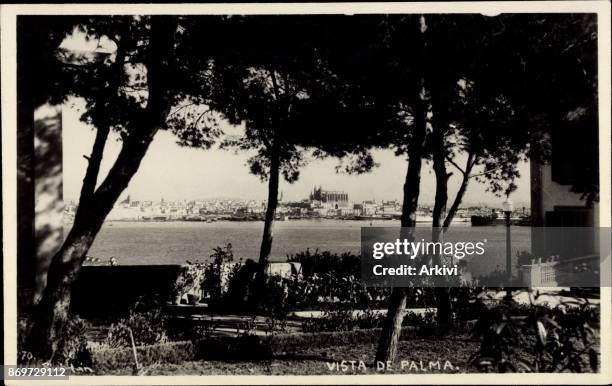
508	207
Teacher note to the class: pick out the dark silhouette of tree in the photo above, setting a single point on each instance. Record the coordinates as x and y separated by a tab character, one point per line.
143	114
269	76
496	123
378	66
556	87
468	120
417	109
386	98
491	122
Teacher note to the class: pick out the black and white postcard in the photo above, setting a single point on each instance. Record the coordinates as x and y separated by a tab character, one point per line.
306	193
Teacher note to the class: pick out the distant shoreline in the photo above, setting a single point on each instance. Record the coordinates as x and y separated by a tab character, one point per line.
314	219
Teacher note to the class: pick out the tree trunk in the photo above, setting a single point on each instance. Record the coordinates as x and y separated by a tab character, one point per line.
279	118
392	326
273	181
442	293
93	169
444	314
51	313
461	192
258	289
108	101
441	196
273	147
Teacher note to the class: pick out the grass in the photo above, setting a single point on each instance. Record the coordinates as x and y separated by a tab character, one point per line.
316	361
452	353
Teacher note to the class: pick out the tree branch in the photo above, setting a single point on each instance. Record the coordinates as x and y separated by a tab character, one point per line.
279	121
452	162
275	87
90	179
450	215
180	108
93	168
487	172
195	124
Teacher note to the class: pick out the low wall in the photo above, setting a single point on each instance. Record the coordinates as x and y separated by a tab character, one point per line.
110	291
106	292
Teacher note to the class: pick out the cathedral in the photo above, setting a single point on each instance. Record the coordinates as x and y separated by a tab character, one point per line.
336	199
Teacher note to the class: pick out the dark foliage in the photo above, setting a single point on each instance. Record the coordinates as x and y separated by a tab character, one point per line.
559	339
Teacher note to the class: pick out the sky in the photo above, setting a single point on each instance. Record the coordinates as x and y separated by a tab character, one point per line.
176	173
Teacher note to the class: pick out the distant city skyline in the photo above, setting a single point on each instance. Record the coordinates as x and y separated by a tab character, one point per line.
177	173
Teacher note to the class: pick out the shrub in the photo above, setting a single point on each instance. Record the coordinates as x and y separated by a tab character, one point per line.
73	352
239	285
147	328
559	339
275	324
302	293
274	297
419	320
465	304
217	273
369	318
247	327
326	278
23	329
523	258
493	279
343	319
179	286
328	288
331	320
74	347
115	358
326	262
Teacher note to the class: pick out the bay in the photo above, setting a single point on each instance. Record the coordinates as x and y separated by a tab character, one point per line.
175	242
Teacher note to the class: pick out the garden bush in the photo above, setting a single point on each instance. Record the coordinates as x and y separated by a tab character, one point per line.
558	339
420	320
74	352
345	319
325	262
331	321
219	272
106	359
148	327
74	347
327	279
